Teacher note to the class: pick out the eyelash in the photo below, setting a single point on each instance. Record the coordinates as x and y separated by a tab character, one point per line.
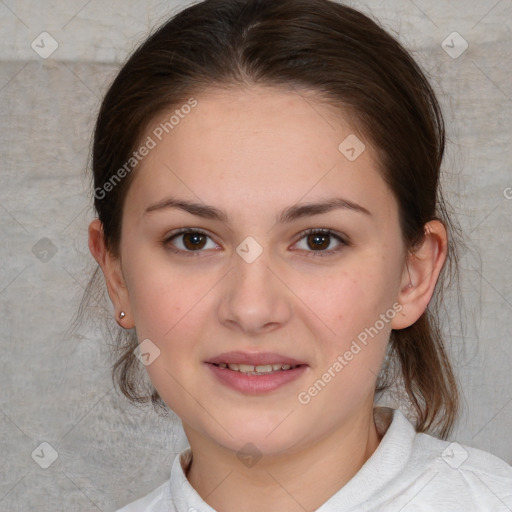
343	242
314	231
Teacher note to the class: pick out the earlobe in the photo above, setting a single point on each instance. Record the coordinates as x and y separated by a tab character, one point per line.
112	272
421	272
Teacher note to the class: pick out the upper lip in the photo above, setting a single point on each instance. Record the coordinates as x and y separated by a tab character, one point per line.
254	358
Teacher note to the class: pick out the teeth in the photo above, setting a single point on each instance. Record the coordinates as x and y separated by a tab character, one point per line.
264	368
256	370
244	367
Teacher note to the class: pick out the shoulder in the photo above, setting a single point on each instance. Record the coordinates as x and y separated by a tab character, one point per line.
413	471
152	502
458	457
459	477
169	496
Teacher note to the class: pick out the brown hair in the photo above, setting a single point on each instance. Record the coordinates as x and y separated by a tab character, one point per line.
348	60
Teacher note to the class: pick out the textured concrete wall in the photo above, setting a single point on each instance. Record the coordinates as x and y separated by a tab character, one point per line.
55	388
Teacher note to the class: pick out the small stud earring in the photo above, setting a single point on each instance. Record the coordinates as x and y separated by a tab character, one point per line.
122	315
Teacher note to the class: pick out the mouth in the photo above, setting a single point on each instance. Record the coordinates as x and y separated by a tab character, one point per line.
255	373
262	369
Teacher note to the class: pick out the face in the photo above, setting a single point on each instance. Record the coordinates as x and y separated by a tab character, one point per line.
249	238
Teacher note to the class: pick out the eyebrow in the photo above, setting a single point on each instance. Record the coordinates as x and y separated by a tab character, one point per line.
288	215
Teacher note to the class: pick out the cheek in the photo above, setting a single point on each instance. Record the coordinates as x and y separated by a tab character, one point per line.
156	308
171	310
160	310
354	346
162	294
358	308
353	301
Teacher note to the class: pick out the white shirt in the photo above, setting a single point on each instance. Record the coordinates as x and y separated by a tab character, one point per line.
408	472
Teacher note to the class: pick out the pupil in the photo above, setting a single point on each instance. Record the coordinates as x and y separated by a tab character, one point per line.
194	241
318	241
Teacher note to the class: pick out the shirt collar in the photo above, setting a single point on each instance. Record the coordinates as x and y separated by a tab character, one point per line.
388	460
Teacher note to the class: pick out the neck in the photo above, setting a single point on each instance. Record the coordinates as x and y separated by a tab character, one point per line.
293	482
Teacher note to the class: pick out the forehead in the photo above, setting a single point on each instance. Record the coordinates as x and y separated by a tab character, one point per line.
270	144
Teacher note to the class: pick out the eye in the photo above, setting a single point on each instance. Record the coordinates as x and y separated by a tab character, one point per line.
189	240
320	241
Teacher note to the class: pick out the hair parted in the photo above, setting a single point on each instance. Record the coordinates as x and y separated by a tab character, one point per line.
347	60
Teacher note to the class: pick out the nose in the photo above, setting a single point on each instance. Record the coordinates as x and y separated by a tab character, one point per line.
254	300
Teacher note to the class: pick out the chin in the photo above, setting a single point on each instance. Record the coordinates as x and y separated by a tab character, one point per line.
267	435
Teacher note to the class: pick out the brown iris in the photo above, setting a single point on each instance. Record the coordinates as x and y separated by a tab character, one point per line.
194	241
317	241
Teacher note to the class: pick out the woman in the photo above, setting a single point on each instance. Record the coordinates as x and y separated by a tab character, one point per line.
270	225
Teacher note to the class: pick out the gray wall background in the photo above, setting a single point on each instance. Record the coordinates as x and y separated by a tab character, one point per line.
55	388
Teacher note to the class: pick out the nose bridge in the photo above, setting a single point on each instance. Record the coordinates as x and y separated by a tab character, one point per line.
254	299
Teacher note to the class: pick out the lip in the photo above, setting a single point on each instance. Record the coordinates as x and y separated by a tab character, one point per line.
254	358
255	384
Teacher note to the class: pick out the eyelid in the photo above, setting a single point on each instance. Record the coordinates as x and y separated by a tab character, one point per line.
181	231
342	239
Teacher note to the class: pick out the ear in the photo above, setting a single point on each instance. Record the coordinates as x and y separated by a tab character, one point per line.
112	272
422	268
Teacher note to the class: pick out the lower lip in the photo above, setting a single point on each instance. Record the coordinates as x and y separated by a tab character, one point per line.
256	384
